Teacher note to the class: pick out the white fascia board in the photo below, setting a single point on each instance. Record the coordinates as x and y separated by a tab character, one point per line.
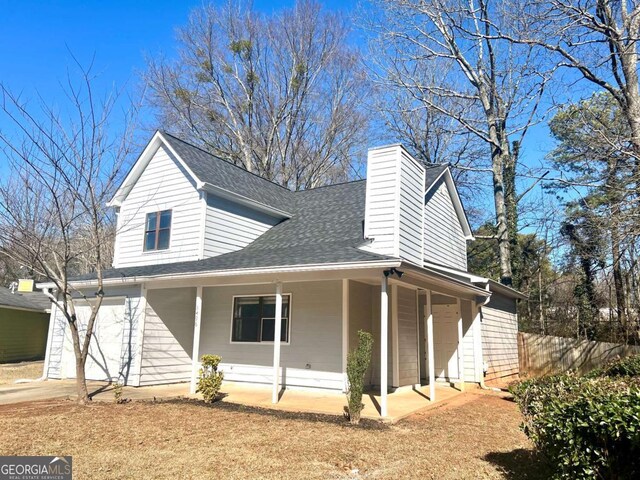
141	163
472	278
236	197
505	290
244	271
457	204
452	283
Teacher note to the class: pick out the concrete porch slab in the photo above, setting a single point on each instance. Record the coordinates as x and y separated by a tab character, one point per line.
401	403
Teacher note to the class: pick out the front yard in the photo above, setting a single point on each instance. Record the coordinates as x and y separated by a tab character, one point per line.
10	372
474	436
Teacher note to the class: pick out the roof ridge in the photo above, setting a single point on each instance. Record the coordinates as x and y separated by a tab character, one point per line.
164	132
331	185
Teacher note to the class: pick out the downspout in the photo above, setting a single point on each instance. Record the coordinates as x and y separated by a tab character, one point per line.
483	386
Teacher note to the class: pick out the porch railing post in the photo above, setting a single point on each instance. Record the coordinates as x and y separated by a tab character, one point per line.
430	352
384	335
276	344
460	346
195	355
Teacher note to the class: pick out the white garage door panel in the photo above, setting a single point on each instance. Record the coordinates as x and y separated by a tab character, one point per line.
104	359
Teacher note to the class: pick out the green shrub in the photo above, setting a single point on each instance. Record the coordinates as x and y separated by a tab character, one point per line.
358	362
624	367
587	427
209	378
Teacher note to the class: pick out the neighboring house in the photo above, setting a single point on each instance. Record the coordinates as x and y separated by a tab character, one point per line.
24	323
210	258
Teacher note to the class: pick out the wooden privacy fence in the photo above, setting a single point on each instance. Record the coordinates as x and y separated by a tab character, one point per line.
543	354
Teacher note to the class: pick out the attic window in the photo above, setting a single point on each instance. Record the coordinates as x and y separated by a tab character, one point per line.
157	231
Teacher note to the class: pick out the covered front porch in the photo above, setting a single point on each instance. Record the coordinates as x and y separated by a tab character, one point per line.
319	315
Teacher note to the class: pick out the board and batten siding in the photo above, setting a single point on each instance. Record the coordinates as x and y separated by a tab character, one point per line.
61	357
168	336
313	357
394	204
407	337
163	185
500	337
230	226
444	240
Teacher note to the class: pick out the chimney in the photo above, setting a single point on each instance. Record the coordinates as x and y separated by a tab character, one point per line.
394	212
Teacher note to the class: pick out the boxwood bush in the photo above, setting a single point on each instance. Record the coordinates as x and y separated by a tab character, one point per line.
625	367
587	426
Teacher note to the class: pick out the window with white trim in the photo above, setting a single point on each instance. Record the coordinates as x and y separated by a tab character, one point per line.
157	231
254	319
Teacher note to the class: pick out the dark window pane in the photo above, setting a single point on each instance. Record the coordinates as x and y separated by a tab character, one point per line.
165	219
151	221
150	241
163	239
268	324
246	330
247	307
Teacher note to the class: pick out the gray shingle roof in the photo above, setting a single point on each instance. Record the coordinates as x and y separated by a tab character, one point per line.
30	300
432	173
325	227
223	174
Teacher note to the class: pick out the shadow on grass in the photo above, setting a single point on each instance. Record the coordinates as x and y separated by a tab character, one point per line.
365	424
527	464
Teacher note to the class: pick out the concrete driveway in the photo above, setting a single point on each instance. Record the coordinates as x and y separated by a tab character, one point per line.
100	391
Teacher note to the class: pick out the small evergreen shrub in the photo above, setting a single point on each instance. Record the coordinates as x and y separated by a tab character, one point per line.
586	427
117	393
624	367
209	378
358	362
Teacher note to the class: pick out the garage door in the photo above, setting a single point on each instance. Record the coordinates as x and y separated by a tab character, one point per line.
104	359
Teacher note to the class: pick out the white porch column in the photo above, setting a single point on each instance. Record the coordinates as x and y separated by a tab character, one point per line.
460	346
430	352
384	345
276	344
195	354
345	330
477	343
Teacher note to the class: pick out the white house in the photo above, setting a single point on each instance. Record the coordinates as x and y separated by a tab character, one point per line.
210	258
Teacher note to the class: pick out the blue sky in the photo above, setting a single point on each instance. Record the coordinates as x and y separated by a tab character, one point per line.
36	37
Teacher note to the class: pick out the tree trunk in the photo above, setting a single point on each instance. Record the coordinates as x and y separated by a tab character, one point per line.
499	156
81	381
618	280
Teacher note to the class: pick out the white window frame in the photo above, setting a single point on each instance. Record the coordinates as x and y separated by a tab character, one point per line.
147	211
233	303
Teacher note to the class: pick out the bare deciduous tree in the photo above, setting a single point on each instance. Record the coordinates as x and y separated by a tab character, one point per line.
53	217
445	55
282	95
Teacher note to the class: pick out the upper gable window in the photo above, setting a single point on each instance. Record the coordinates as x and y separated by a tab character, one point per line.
157	231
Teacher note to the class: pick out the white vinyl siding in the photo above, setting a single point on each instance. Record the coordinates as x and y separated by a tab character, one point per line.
313	358
393	211
444	241
500	337
168	336
230	226
164	185
411	210
469	349
381	200
407	341
361	315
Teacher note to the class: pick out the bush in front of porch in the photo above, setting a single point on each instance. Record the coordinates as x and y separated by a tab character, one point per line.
209	378
358	362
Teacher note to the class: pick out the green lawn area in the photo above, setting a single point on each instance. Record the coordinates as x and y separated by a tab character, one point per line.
474	436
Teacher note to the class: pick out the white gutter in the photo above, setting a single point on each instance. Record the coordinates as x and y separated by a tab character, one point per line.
229	273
